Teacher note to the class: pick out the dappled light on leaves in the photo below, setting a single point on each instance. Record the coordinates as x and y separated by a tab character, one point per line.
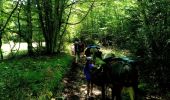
37	45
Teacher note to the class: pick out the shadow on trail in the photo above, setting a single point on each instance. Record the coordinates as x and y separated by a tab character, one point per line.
75	87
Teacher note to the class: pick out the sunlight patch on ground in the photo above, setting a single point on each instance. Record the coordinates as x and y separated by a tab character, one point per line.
83	87
105	51
153	97
96	91
83	90
116	52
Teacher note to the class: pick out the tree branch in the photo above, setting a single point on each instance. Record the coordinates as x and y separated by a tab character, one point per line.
10	16
83	17
72	3
6	14
64	30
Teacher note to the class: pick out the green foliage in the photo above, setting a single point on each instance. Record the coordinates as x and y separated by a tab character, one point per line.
113	21
32	78
142	27
156	30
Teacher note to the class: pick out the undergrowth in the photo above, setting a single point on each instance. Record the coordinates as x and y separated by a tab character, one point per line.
32	78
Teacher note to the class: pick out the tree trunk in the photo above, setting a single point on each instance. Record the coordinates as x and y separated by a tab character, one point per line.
1	53
50	19
29	24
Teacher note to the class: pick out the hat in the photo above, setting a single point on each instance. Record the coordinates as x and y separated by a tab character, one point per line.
89	58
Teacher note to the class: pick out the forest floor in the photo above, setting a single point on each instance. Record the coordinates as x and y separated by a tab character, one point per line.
75	85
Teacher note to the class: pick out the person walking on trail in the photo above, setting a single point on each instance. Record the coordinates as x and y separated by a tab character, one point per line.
93	55
78	48
87	70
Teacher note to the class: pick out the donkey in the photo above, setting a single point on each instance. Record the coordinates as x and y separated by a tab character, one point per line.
119	73
115	72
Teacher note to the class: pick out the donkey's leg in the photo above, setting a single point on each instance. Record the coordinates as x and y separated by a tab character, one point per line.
116	92
113	93
135	88
91	88
88	88
103	92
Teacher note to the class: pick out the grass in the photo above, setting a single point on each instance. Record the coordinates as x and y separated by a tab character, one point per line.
32	78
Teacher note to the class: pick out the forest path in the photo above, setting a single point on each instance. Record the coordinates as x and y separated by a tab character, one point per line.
75	85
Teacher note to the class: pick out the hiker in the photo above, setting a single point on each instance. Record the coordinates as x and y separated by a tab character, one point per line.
90	70
78	49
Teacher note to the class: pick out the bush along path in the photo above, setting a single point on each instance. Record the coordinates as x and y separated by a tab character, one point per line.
75	86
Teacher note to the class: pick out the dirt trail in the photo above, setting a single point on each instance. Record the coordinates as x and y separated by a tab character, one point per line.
75	87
